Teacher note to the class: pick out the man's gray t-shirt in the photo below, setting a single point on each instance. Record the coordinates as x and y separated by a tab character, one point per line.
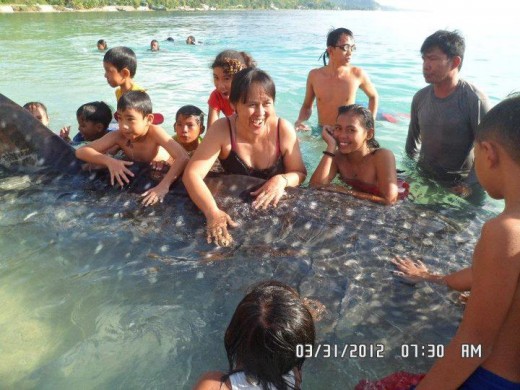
444	129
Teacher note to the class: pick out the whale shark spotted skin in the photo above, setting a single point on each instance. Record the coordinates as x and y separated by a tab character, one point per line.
149	270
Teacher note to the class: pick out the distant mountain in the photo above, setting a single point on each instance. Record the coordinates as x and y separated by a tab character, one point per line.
357	4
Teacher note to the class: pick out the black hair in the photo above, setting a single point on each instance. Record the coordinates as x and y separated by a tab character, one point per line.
28	105
262	337
102	42
450	43
190	40
190	110
232	61
97	112
366	119
332	39
135	100
243	80
122	57
502	124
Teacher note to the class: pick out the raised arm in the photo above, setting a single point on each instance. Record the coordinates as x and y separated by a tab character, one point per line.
368	88
193	178
95	153
327	169
306	109
496	269
295	172
180	159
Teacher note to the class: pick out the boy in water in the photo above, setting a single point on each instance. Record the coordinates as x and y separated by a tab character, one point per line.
336	83
39	111
141	141
492	316
120	65
93	120
189	125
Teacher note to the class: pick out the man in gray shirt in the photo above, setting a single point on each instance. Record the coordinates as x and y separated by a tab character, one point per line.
445	115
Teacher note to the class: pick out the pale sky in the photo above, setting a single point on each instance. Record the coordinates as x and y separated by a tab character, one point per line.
452	5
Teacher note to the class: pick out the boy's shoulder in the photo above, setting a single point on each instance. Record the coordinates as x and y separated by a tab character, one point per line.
502	233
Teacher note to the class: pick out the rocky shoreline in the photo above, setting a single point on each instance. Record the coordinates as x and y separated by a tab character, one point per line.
15	8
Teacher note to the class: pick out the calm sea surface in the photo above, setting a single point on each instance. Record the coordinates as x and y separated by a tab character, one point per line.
52	58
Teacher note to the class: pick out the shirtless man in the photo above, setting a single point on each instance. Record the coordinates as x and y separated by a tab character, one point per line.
336	83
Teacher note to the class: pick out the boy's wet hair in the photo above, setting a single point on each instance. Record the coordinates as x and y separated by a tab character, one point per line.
502	124
450	43
243	80
333	38
96	112
232	61
365	118
28	105
102	42
190	110
135	100
262	337
122	57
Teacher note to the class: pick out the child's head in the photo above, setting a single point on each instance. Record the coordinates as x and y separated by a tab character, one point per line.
267	326
499	127
93	120
134	114
226	65
120	63
339	39
39	111
354	128
154	45
189	125
102	45
247	79
190	40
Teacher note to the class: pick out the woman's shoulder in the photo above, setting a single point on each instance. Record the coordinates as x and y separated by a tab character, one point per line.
211	380
383	154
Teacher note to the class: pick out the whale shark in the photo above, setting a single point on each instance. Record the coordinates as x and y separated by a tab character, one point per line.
126	296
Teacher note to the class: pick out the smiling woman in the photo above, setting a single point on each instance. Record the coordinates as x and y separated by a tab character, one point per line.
253	142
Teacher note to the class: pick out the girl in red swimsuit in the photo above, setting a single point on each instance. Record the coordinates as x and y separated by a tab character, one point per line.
226	64
354	154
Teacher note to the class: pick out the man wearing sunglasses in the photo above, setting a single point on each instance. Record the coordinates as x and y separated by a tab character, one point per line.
336	83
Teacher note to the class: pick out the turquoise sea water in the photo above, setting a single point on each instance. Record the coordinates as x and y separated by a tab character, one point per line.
73	319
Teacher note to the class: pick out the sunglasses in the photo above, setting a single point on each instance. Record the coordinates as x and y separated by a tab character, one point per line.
347	47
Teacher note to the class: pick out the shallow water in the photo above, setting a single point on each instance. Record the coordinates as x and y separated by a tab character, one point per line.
97	292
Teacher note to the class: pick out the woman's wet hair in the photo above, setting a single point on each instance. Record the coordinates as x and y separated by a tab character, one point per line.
232	61
97	112
135	100
333	38
262	337
243	80
502	125
365	117
122	57
190	110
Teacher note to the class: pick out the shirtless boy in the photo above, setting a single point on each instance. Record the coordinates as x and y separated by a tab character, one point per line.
141	141
336	83
492	315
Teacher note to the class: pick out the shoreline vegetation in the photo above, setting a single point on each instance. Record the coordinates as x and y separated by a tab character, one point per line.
183	5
